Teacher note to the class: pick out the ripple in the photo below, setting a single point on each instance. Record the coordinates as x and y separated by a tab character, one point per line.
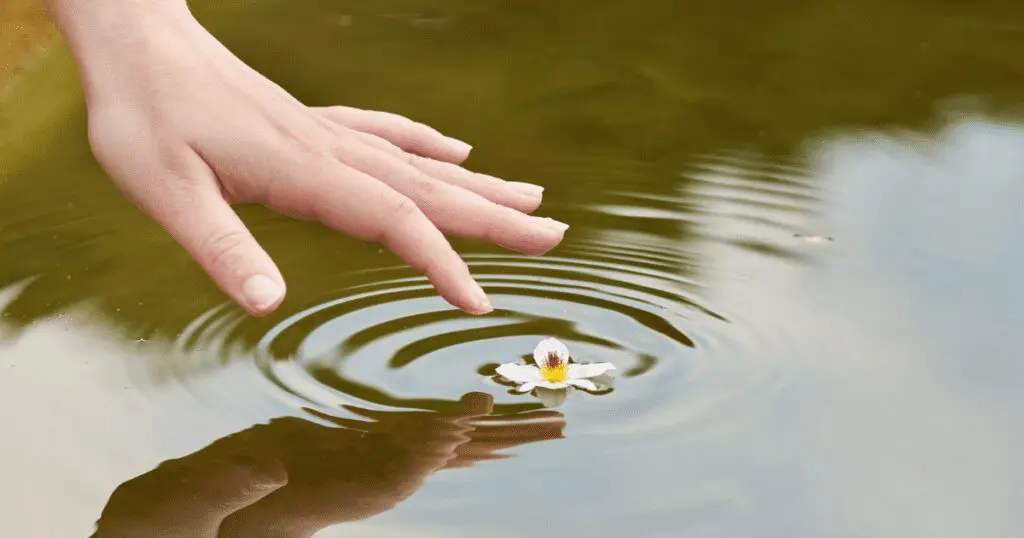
399	332
388	341
625	295
762	194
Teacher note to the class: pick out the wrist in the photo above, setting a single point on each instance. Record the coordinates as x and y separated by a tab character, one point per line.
84	22
106	34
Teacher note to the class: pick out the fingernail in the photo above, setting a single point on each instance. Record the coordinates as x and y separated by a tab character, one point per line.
555	225
528	189
458	145
261	292
480	301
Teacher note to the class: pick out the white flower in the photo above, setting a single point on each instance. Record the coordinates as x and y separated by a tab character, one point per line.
553	369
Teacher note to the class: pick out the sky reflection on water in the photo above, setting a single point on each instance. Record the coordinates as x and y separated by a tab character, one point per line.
869	388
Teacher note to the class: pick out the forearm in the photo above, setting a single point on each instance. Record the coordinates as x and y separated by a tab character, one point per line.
103	34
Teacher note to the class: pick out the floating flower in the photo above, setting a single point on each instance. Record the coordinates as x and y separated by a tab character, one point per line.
553	370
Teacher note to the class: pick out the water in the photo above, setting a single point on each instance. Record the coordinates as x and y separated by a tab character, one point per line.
796	233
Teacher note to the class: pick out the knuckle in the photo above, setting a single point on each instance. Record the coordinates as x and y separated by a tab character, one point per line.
399	214
394	150
424	186
402	209
396	119
408	158
416	127
424	130
409	127
488	183
369	139
493	232
338	110
224	248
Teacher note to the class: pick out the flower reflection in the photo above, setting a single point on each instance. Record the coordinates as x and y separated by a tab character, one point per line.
555	373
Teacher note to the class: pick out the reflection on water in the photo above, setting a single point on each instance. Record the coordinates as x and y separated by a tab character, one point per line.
769	384
293	477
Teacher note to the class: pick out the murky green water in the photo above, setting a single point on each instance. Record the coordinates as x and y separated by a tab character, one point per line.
769	384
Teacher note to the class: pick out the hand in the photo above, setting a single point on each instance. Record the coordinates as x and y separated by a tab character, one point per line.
184	128
292	477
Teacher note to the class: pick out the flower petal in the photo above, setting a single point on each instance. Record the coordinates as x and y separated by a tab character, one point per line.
553	385
551	398
581	371
548	347
525	387
603	381
585	384
520	373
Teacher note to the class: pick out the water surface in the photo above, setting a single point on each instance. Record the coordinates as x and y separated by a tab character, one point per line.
796	231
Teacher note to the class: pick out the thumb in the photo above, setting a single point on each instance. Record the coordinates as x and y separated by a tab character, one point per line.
209	229
176	188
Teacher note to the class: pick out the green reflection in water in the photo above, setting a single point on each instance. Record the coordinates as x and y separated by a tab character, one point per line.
586	98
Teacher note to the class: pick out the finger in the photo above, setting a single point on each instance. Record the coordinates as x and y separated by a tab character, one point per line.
198	217
454	210
523	197
515	434
528	416
463	460
356	204
485	442
403	132
472	405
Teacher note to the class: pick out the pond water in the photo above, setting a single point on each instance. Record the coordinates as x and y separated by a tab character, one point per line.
797	230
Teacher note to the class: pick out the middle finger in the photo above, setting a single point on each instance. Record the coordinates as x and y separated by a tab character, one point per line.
454	210
523	197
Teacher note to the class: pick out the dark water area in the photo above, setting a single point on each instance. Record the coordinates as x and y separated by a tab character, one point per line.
797	230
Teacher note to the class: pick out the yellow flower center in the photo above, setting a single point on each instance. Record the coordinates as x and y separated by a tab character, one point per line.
558	374
554	370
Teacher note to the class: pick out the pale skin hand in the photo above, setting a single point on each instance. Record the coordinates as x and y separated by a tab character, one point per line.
185	129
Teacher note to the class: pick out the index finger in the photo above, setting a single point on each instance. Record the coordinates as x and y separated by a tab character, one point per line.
356	204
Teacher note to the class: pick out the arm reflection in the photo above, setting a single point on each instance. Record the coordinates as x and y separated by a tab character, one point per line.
292	477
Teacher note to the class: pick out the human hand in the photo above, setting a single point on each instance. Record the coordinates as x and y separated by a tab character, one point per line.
185	128
292	477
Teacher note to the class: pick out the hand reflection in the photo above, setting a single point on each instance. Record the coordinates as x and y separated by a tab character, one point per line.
292	477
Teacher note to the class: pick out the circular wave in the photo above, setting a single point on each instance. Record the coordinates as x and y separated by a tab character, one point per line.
389	341
630	295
